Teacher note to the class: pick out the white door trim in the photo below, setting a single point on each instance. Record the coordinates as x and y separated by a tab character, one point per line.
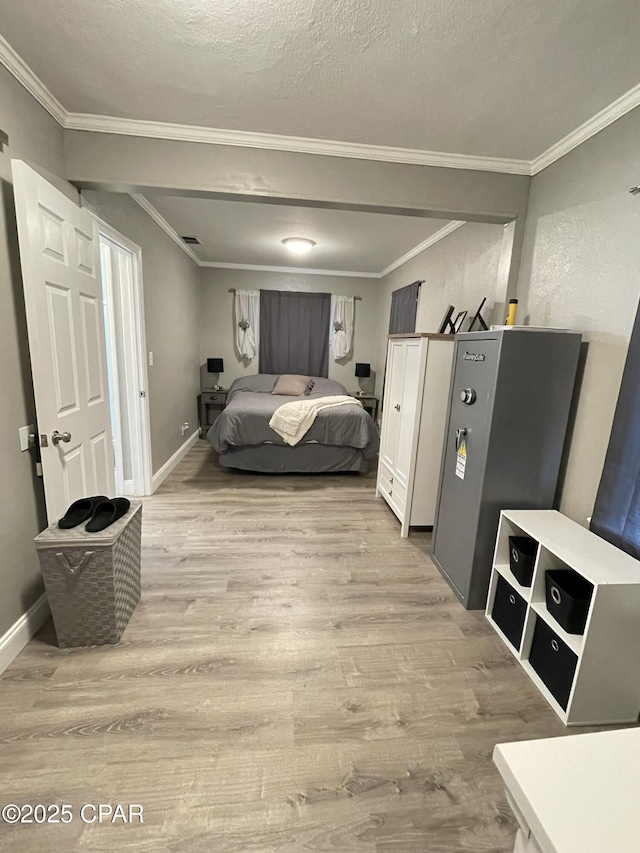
114	376
137	376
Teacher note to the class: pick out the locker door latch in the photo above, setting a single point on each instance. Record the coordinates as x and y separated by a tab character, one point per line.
460	436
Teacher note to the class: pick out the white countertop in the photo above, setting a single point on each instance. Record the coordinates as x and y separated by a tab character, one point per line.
580	793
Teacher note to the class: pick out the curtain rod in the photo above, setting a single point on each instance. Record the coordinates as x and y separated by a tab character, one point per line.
233	290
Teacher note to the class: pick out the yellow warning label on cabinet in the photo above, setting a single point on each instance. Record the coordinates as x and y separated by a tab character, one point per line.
461	460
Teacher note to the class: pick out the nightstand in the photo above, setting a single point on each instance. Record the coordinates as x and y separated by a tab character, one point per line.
369	402
208	401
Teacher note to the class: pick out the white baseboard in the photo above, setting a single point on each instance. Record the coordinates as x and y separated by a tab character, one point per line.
19	634
161	475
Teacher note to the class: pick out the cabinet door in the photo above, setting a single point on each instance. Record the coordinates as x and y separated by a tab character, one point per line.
408	405
396	362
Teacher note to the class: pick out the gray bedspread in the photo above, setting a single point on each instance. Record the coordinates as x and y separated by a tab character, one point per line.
250	404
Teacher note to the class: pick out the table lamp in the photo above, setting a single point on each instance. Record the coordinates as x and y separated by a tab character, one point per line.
215	365
363	371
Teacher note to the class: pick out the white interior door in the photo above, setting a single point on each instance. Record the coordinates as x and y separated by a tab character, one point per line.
60	255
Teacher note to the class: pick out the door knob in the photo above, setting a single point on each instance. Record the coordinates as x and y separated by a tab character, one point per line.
57	437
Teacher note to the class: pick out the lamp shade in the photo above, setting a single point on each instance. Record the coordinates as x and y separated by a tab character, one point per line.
363	370
215	365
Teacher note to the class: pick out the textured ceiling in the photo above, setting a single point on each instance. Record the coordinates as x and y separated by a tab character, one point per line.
247	233
505	78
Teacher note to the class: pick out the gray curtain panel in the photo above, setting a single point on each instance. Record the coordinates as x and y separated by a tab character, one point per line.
616	515
294	332
404	307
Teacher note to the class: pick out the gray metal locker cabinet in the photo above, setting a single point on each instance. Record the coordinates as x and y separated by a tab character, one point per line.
511	391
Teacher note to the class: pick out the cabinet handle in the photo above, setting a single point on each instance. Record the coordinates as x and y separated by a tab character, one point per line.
397	407
555	594
391	480
554	645
512	599
390	493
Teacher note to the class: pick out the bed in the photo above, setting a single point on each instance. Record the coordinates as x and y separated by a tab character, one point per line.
343	438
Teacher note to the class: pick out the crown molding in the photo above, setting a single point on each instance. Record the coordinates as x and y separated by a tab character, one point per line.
159	219
23	74
297	144
627	102
449	228
308	145
298	270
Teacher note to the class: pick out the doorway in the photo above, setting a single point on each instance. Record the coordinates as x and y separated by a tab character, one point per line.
121	269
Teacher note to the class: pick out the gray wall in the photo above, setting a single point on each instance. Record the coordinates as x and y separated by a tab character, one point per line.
581	270
33	135
216	319
459	270
172	311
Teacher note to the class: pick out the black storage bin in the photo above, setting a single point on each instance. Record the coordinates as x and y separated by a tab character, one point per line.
522	558
509	611
554	662
568	599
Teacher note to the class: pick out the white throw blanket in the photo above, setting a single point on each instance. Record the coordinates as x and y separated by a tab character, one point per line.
292	421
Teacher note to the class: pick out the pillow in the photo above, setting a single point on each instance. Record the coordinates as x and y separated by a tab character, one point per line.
291	385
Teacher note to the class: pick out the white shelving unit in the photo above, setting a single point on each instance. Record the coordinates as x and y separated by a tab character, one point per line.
605	688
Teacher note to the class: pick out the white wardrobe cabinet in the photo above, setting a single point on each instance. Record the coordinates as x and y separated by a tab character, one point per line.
414	412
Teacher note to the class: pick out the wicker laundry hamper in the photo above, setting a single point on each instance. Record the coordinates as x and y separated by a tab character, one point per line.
92	579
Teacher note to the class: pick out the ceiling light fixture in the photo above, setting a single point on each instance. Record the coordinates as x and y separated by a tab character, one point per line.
298	245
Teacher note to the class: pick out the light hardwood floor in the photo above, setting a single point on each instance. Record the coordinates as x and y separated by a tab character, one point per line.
296	678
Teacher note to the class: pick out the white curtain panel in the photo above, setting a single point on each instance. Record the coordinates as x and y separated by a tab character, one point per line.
247	314
342	323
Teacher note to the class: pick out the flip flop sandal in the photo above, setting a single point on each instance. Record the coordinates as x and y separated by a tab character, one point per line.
106	512
80	511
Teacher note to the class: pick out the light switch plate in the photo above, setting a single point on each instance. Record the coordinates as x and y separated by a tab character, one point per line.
24	433
150	359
